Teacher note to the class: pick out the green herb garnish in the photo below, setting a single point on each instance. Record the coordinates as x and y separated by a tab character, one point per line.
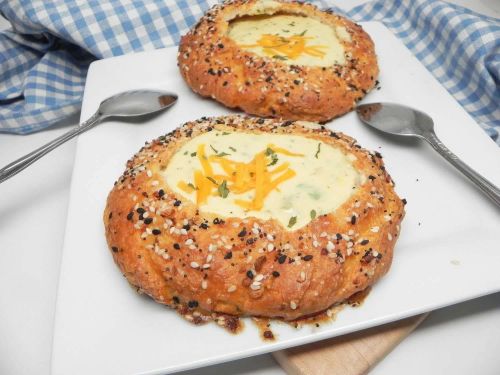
193	154
313	214
292	221
318	151
212	147
274	157
274	160
223	190
280	57
211	179
303	32
192	186
232	149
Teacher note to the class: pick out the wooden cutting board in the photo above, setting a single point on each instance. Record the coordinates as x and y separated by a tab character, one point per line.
352	354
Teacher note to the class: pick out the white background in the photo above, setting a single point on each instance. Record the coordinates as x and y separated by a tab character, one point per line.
461	339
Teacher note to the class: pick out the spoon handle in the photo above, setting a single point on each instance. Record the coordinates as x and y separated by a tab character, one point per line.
482	183
18	165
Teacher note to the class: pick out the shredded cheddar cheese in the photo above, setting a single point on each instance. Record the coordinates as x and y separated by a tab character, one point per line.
239	177
287	47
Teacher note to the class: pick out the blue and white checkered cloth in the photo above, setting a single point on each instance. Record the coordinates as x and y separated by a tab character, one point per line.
45	55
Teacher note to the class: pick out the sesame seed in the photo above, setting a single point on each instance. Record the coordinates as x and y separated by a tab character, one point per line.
389	236
204	284
231	289
293	305
315	243
149	173
330	246
205	266
270	237
195	265
255	285
189	241
302	275
270	247
375	229
259	277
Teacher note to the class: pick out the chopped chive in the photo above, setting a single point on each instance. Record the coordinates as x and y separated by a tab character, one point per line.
303	32
274	160
223	190
313	214
221	154
318	151
292	221
279	57
193	153
192	186
232	149
211	179
212	147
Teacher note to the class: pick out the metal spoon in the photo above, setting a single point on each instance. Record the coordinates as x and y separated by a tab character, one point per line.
401	120
128	104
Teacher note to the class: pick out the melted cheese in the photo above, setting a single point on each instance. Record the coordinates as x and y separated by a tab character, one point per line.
319	184
291	39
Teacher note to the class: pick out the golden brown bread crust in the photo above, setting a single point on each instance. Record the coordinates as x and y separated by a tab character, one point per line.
195	261
214	66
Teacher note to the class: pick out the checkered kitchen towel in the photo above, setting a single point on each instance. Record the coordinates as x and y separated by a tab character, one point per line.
45	55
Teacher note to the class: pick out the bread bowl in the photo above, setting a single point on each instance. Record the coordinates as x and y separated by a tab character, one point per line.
276	58
251	217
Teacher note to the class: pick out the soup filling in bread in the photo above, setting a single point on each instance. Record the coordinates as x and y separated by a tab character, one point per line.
293	39
289	178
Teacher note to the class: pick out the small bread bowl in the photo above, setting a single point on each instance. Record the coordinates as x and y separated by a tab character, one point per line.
252	217
279	59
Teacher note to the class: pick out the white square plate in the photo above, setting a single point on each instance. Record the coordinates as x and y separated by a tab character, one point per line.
448	251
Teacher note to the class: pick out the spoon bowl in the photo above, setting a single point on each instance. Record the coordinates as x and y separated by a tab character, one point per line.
396	119
400	120
136	104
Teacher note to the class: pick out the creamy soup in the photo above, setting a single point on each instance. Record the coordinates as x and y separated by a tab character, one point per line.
286	177
290	38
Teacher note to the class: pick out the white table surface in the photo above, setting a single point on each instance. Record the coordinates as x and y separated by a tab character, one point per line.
461	339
